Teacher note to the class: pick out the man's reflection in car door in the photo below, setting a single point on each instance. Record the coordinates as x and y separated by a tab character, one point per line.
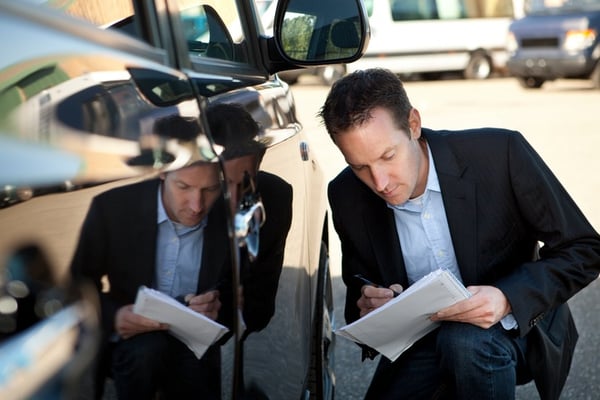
262	205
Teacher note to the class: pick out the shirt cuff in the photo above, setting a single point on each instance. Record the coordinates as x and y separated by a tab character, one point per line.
509	322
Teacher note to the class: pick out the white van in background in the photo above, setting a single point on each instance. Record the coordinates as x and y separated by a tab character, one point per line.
433	36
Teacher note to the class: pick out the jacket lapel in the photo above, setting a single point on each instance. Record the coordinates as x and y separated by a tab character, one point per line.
145	231
459	196
379	222
215	249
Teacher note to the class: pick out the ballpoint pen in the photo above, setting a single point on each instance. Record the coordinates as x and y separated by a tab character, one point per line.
368	282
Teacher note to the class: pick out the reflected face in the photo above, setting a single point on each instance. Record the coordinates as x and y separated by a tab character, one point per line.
235	170
189	193
387	159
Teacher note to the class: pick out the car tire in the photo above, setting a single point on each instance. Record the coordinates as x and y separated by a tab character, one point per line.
331	73
321	382
530	82
479	66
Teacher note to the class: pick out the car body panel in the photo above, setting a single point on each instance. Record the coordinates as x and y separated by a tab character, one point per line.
81	105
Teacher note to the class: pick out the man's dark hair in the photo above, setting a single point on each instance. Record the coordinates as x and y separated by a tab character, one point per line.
352	99
232	127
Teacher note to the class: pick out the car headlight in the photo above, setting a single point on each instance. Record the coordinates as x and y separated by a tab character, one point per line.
580	39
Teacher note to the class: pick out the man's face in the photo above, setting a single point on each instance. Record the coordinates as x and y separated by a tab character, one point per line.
235	170
385	158
189	193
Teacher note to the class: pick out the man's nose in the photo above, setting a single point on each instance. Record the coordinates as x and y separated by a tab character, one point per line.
196	201
379	177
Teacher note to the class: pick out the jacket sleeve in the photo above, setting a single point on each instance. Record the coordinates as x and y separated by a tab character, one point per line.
569	258
89	261
260	278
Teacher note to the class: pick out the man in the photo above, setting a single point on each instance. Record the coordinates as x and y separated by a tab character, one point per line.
476	202
121	239
169	234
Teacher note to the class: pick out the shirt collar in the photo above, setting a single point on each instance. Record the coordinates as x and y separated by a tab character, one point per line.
432	178
433	184
162	213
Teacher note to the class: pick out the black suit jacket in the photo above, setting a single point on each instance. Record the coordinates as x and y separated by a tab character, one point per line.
260	278
500	200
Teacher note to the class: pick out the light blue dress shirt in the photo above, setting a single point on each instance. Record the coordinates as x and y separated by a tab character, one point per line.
424	235
178	254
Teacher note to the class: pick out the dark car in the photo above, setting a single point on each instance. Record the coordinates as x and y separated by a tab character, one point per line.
85	93
556	40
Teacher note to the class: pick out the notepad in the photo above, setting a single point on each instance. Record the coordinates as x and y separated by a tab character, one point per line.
195	330
397	325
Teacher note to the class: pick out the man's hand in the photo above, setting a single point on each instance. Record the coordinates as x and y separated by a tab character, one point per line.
207	303
373	297
128	323
484	308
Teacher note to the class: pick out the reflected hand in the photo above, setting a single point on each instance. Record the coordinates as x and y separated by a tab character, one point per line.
373	297
484	308
128	323
207	303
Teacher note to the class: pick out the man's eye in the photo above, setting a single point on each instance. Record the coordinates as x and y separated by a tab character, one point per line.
389	156
213	188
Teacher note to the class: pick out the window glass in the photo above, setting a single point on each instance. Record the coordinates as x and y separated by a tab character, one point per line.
486	8
410	10
547	6
369	7
266	10
213	29
99	12
407	10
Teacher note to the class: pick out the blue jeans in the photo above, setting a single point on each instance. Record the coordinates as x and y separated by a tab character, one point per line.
456	361
157	363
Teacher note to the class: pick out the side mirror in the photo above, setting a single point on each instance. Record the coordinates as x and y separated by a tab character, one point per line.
321	32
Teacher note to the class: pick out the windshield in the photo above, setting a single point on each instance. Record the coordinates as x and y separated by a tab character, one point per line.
543	7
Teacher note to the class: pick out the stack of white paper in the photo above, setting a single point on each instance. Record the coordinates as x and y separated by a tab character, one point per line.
195	330
394	327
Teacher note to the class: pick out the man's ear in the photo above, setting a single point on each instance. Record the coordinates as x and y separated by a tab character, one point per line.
162	175
414	123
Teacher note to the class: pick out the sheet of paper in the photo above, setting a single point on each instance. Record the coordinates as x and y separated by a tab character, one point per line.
397	325
195	330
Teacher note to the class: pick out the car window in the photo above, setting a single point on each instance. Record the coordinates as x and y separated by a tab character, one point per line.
99	12
213	29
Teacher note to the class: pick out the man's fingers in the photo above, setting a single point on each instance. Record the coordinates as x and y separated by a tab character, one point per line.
373	292
397	288
206	297
207	303
128	323
374	297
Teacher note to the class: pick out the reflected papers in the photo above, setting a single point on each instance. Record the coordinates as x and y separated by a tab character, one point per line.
195	330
